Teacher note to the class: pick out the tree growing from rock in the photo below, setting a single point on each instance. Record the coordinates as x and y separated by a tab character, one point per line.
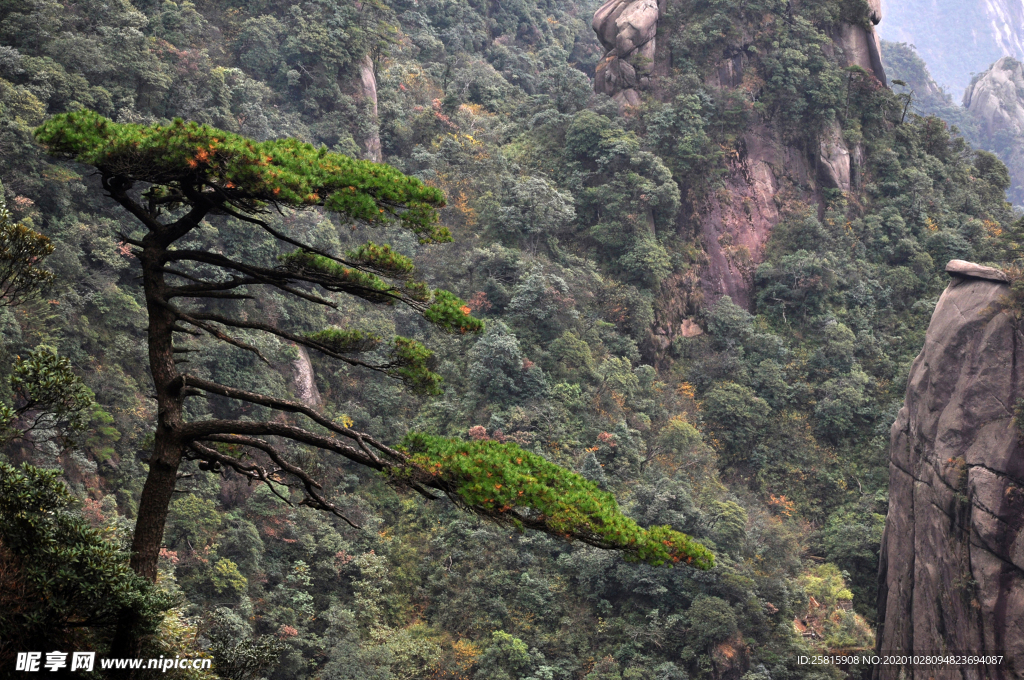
172	177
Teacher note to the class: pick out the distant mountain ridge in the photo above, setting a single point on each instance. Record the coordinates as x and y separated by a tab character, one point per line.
957	39
991	116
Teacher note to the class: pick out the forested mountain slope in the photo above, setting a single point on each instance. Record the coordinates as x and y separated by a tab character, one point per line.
687	300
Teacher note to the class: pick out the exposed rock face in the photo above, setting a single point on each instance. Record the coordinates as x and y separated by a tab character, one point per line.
952	560
970	270
995	100
834	159
627	29
368	85
303	381
875	11
689	329
996	97
957	38
862	47
740	217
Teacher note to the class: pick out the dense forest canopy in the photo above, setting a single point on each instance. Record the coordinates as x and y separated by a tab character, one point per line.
575	229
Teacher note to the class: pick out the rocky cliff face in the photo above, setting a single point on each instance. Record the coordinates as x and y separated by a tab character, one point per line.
738	220
302	379
764	171
992	115
952	561
628	31
861	46
994	103
368	87
996	97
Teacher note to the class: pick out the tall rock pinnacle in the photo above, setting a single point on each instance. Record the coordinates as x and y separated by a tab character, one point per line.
952	561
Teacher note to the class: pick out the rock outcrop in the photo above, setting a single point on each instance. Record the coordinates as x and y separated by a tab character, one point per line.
767	175
957	38
303	380
952	559
995	101
861	46
626	29
739	218
834	167
995	98
368	81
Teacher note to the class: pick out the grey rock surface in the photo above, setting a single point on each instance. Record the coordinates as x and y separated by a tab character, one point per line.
977	271
834	159
956	38
952	559
996	97
861	47
875	11
626	29
368	83
303	379
737	223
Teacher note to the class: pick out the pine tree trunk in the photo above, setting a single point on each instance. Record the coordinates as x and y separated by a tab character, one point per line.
168	447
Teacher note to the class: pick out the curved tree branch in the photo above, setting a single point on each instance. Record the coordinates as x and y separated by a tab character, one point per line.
285	335
206	428
271	277
314	498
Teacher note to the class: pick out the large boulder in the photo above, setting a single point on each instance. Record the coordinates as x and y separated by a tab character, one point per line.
952	559
626	29
875	11
636	26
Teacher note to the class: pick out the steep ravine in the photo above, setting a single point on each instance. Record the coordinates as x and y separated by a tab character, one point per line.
952	559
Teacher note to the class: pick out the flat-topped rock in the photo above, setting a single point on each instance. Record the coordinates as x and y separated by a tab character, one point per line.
975	271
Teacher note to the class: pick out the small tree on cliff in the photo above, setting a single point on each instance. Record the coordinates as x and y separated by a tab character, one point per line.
171	177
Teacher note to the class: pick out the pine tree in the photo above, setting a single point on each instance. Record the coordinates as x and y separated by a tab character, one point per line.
172	177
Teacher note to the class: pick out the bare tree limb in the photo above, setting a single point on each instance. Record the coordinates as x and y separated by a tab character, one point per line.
314	498
224	337
365	442
207	428
292	337
271	277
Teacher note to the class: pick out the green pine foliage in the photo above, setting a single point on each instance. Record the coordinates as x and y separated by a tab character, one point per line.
337	277
343	341
412	363
448	312
499	479
382	258
285	171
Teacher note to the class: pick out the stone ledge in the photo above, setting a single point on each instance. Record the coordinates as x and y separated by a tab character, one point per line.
975	271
